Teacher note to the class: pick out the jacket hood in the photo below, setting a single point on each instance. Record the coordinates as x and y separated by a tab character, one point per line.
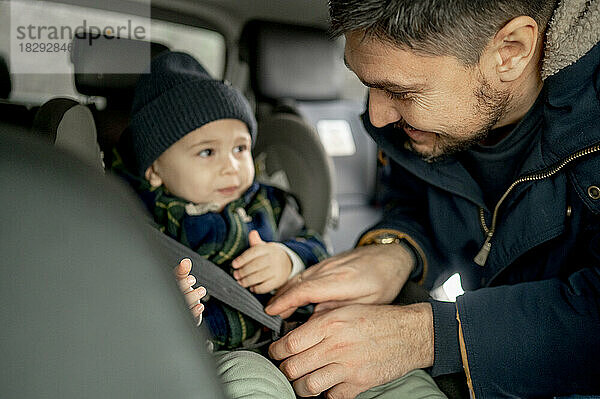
570	70
573	30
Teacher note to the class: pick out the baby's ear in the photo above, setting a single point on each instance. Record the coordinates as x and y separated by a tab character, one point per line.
153	177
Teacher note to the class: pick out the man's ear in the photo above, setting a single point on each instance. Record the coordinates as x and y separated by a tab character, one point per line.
514	47
152	176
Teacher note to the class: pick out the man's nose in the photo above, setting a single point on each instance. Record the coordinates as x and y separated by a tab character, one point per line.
382	110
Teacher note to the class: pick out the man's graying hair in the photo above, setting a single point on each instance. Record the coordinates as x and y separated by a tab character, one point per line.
459	28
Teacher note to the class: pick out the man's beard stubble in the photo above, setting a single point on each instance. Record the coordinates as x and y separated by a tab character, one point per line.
492	104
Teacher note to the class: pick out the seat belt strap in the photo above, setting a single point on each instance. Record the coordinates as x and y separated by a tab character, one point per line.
219	284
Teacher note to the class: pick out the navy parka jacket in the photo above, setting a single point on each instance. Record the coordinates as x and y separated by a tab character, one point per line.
529	322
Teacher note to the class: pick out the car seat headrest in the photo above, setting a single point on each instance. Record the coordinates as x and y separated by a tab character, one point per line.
90	57
5	83
69	125
291	61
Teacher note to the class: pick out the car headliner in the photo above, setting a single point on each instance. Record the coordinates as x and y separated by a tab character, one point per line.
312	12
226	16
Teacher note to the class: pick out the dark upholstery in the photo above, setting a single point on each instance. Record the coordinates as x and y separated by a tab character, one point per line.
5	82
90	308
16	118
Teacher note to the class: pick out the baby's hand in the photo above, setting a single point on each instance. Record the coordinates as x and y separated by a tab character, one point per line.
192	296
263	267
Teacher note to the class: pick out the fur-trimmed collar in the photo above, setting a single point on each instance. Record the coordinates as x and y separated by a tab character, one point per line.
573	30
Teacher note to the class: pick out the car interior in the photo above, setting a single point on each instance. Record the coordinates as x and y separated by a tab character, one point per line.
320	101
60	128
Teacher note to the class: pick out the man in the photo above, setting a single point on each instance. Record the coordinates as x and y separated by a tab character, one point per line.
489	112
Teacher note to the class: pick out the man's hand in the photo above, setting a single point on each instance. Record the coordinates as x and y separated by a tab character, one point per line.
372	274
354	348
263	267
185	281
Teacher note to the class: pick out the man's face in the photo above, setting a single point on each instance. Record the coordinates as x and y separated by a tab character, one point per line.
441	105
212	164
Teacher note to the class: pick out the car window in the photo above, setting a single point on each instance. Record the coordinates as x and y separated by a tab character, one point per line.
205	45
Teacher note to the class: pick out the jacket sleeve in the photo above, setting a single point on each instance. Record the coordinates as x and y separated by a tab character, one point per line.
309	246
404	201
549	330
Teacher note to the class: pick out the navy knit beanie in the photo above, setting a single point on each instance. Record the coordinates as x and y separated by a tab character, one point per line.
175	98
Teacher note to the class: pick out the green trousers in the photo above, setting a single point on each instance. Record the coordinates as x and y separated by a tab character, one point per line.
416	384
246	374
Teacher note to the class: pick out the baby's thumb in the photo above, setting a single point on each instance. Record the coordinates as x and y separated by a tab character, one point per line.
254	238
183	269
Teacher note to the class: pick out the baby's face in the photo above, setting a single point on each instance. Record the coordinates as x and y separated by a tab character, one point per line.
212	164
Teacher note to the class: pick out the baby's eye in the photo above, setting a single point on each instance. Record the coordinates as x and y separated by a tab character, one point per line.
206	153
240	148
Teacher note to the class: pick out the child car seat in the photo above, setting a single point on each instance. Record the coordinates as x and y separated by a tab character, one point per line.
64	117
289	154
297	71
69	125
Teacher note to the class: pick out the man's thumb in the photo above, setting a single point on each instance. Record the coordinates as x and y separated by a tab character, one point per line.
254	238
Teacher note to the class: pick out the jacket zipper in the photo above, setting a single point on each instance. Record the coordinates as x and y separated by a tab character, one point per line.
484	252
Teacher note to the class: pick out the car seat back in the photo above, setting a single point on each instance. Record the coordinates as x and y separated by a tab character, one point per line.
90	308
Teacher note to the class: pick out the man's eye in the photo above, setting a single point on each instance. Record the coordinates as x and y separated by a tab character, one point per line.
240	148
397	96
206	153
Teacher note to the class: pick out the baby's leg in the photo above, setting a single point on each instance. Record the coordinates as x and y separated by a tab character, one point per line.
247	374
415	385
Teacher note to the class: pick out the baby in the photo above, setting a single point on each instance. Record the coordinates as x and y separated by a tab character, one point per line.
187	153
